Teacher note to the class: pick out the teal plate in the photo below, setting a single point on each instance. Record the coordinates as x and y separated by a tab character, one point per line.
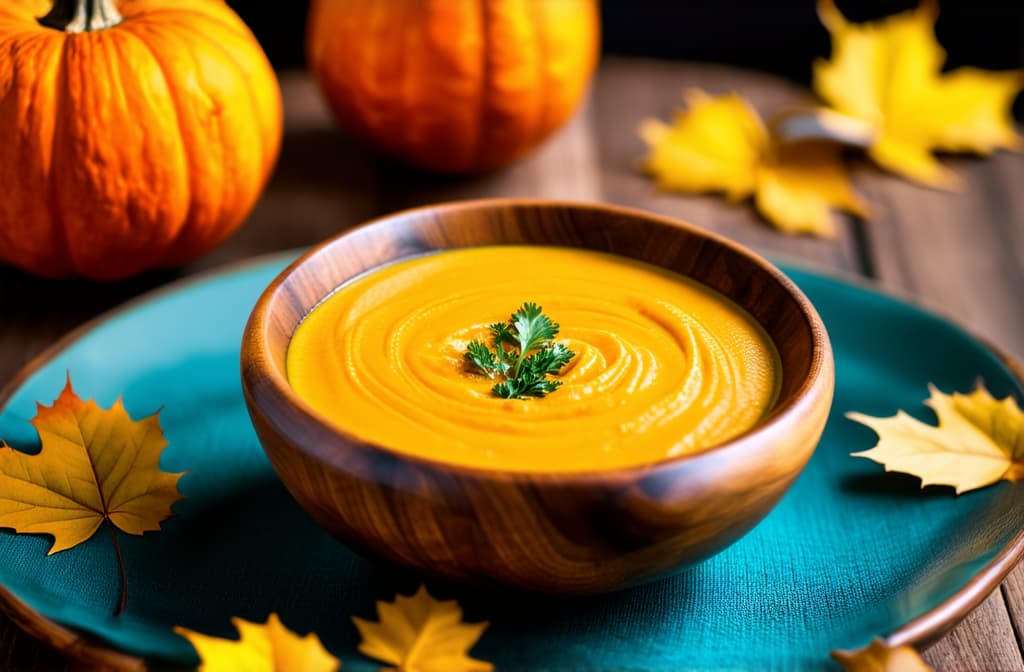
850	553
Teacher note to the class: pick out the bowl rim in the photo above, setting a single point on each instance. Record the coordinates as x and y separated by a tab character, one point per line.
256	362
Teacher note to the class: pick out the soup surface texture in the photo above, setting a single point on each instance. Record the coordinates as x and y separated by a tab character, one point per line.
664	365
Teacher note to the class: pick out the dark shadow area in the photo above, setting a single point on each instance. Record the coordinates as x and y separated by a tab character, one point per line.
320	158
894	483
33	299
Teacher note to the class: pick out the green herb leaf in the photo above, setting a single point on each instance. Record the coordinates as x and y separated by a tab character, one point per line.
529	359
532	327
549	360
502	333
481	356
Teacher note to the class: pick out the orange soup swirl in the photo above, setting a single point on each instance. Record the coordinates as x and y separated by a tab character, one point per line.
664	365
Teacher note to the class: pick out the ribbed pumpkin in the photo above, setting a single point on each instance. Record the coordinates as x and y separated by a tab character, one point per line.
132	136
453	85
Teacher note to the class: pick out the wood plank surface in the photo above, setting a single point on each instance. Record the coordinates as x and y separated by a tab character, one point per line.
1013	596
623	97
961	253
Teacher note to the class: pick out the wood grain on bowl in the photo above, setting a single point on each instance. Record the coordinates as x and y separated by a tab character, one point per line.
584	532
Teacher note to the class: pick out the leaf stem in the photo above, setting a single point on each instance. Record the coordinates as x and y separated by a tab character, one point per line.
518	364
123	601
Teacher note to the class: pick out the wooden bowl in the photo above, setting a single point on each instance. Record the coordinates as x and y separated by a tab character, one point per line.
587	532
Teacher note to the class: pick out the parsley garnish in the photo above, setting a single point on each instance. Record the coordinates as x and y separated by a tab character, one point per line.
530	355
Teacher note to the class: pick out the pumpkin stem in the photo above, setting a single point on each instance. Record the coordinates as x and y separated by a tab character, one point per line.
79	16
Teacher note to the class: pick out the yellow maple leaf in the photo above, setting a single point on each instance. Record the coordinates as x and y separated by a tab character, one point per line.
421	634
720	144
978	441
880	657
94	465
261	647
888	73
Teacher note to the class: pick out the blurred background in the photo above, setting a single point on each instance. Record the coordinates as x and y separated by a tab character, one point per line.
781	36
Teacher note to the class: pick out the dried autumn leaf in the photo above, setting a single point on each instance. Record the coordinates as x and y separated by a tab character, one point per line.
261	647
421	634
720	144
95	465
880	657
978	441
888	73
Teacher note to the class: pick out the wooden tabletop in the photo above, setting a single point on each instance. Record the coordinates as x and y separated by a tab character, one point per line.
959	254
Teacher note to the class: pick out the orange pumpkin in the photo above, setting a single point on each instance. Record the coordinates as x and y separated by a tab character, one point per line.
453	85
132	136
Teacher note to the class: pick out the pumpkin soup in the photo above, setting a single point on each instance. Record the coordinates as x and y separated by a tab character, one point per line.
662	365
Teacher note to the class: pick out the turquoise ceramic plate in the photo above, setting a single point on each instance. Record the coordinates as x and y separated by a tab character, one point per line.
850	553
